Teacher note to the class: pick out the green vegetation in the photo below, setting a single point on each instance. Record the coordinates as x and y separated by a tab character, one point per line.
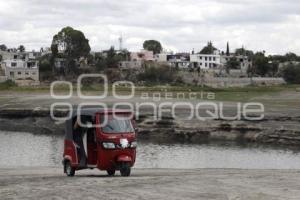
111	60
21	48
7	85
291	74
3	47
152	45
158	74
261	64
75	44
209	49
221	94
233	63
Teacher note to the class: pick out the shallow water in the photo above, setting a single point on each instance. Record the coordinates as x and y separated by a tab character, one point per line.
26	149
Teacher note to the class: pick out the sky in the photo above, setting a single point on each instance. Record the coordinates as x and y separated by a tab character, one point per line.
180	25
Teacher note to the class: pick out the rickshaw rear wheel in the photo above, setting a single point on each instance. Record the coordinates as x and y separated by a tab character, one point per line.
70	171
111	172
125	169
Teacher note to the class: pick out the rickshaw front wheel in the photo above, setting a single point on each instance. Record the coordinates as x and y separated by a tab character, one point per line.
125	169
111	172
70	171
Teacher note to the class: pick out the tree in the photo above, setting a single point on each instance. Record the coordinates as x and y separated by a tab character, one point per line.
54	53
21	48
3	47
75	44
274	66
44	63
232	63
284	58
261	64
152	45
291	74
54	49
209	49
227	50
291	57
244	52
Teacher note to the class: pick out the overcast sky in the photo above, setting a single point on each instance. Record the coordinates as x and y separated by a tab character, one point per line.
180	25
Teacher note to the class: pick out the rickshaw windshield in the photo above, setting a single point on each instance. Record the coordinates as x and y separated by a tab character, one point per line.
117	125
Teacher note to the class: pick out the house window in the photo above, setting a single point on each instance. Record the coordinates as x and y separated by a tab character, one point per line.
200	57
205	58
19	73
214	58
27	73
200	64
11	74
205	64
13	64
15	56
209	58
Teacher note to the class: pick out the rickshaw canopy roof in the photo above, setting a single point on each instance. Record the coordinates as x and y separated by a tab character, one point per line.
90	112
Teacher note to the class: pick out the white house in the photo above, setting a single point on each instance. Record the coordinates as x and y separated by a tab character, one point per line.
205	61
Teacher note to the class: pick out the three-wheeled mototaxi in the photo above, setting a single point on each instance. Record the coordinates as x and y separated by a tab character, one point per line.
100	138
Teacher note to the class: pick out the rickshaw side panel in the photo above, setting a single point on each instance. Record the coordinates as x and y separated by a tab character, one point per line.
70	152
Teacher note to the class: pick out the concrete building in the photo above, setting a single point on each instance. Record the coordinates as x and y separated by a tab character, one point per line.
205	61
21	67
143	55
245	63
178	60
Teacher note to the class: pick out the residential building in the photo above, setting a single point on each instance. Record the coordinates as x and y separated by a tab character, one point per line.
178	60
143	55
245	63
205	61
21	67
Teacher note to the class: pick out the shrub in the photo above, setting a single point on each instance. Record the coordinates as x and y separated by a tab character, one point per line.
158	74
7	84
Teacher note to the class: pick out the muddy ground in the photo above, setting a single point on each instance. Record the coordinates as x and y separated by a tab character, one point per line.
232	184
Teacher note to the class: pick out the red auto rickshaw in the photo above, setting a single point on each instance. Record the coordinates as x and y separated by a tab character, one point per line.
110	147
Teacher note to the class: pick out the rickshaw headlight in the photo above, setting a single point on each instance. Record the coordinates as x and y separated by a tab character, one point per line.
133	144
108	145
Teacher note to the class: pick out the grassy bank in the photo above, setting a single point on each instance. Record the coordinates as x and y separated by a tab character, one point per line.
225	94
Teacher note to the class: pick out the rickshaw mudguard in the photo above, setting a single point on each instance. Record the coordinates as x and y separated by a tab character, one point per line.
124	158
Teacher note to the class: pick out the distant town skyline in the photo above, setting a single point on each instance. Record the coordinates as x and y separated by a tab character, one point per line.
270	25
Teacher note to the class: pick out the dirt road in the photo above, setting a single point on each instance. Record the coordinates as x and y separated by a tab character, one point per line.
50	183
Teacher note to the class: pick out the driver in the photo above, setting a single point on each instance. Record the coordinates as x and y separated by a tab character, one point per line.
78	139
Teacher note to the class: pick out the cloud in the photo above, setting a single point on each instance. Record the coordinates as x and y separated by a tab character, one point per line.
180	25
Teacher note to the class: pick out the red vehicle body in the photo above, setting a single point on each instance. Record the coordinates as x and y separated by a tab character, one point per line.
110	147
